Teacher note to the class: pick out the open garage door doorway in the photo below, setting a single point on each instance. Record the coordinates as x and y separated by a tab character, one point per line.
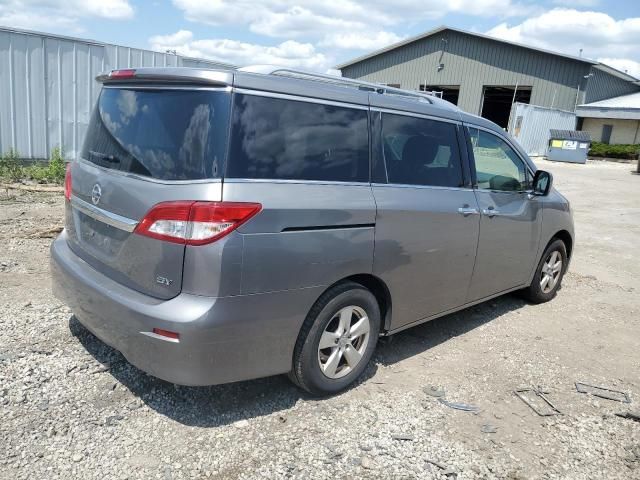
497	101
450	93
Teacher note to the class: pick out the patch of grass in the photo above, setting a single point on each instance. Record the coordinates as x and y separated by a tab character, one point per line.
627	152
12	169
10	166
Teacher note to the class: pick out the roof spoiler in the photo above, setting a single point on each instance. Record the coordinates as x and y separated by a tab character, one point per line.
219	78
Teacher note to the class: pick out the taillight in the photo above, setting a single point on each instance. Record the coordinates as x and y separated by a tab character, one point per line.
195	223
67	182
122	74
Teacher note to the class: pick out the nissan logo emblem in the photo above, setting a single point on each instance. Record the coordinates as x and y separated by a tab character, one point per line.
96	193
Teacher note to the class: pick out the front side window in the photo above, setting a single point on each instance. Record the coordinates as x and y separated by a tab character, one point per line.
419	151
498	166
274	138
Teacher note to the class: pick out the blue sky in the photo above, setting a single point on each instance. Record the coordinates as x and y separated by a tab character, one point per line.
318	35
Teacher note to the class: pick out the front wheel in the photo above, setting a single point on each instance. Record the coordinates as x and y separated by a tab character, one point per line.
337	340
548	277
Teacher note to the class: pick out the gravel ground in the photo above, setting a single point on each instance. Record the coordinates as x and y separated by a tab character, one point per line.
71	407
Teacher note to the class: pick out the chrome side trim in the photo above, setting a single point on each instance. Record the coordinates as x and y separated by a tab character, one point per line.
104	216
421	187
288	181
286	96
416	115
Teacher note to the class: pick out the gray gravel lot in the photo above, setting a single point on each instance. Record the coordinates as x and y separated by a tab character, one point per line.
71	407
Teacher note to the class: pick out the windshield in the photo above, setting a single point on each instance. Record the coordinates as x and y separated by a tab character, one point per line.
162	134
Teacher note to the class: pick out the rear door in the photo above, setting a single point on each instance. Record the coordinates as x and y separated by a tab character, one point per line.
510	218
427	222
144	146
307	162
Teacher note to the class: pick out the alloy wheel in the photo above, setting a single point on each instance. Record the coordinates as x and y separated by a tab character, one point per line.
343	342
550	274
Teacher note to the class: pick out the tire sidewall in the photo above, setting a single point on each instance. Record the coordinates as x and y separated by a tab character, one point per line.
314	379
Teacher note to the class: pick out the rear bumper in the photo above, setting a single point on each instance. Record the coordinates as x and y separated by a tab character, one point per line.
221	339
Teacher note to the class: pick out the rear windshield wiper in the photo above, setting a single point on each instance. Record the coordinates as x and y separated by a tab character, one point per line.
104	156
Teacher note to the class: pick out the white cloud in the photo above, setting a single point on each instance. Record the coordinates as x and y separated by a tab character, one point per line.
577	3
329	27
315	20
289	53
359	40
627	65
569	30
59	14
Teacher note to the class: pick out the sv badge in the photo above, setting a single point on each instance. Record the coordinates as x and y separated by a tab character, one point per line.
164	281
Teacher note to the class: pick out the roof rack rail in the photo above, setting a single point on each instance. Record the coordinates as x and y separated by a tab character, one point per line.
334	79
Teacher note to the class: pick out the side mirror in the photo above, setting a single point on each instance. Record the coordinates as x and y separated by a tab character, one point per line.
542	182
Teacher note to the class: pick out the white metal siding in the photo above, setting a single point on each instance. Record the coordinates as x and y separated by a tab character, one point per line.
48	87
530	126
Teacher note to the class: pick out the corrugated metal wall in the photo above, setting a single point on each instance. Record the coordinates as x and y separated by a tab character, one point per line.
602	85
530	126
472	62
48	87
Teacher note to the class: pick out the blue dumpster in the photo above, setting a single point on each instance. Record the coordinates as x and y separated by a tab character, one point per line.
568	146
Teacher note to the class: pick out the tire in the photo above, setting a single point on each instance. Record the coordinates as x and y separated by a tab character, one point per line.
313	368
538	291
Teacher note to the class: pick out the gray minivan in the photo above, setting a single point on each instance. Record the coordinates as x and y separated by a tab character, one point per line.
229	225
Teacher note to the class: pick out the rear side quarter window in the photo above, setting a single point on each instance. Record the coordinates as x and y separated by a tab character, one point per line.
282	139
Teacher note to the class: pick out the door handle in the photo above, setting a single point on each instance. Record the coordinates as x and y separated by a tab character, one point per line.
490	212
467	210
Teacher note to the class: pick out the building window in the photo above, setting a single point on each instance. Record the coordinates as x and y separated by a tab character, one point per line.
450	93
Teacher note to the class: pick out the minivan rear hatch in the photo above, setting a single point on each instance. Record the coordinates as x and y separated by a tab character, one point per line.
145	144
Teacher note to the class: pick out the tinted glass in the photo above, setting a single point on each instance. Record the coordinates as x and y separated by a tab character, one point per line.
498	166
418	151
274	138
163	134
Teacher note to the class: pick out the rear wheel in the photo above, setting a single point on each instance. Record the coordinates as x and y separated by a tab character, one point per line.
548	277
337	340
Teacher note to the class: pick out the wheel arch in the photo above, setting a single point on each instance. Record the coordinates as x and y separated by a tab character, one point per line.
379	290
566	238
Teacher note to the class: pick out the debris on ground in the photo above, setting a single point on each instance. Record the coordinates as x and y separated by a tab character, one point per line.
529	396
460	406
630	415
446	471
434	391
488	428
402	436
602	392
51	232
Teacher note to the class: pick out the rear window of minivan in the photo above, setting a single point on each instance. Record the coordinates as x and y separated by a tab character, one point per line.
276	138
163	134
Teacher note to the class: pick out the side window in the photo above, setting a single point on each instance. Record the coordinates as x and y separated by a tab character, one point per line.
274	138
419	151
498	166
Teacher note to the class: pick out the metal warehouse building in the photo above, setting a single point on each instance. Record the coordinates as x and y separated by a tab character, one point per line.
48	87
486	76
